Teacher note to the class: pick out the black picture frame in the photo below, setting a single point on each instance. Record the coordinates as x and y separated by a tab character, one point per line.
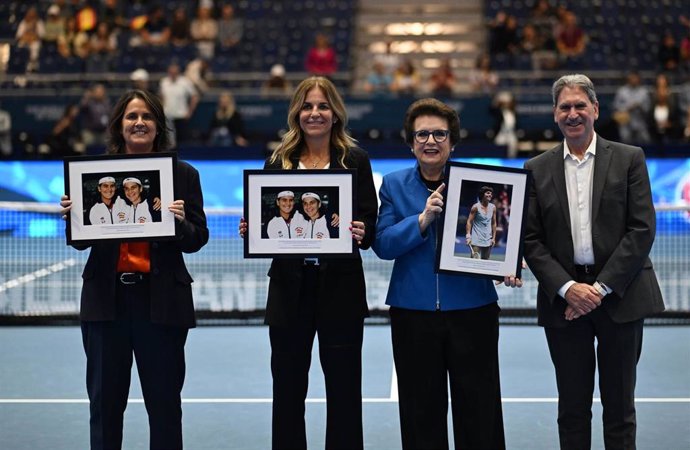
271	236
510	189
155	174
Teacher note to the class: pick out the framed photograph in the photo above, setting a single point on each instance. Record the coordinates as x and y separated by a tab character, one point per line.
482	222
298	213
120	197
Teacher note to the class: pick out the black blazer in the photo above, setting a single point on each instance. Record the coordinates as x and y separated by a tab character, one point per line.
342	291
623	229
171	283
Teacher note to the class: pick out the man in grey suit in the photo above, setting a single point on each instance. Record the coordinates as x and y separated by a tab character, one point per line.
590	227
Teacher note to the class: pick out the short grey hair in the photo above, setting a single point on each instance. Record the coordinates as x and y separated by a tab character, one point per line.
574	81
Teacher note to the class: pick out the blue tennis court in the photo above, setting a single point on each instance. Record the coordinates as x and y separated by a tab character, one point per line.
227	394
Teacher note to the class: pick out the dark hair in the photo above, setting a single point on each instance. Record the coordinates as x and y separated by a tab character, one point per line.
116	141
432	107
484	189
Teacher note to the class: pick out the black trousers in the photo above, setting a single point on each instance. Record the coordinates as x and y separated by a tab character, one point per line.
340	353
159	353
575	357
431	348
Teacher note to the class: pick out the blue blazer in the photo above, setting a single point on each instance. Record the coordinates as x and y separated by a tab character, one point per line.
414	285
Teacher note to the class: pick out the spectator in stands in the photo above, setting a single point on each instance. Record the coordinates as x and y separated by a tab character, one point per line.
137	297
29	34
65	138
204	32
321	59
664	118
442	82
533	44
390	59
5	133
140	79
156	31
54	27
669	52
406	79
95	111
631	107
684	103
277	84
320	296
378	82
227	126
102	49
180	34
112	13
503	33
198	71
571	40
230	28
180	100
505	122
74	42
438	336
530	40
483	79
543	18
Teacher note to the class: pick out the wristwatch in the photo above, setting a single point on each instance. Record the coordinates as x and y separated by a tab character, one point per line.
602	288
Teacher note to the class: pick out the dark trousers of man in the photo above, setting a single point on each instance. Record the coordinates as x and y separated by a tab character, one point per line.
340	352
575	358
159	352
430	348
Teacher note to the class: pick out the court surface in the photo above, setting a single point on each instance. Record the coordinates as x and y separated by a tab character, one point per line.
228	390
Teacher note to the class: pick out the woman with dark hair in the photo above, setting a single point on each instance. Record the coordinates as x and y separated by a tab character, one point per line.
320	295
444	328
136	299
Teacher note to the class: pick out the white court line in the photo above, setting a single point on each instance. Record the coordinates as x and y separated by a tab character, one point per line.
40	273
65	401
394	386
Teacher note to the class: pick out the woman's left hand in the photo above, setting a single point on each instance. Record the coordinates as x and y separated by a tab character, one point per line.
358	231
157	204
335	220
177	208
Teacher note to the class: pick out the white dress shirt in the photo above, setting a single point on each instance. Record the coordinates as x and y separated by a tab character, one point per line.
579	176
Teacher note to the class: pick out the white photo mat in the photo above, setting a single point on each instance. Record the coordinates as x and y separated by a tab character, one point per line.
257	245
119	167
461	176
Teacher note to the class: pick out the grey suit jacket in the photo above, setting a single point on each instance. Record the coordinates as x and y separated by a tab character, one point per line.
623	229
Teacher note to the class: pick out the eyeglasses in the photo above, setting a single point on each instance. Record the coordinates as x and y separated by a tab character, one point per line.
422	136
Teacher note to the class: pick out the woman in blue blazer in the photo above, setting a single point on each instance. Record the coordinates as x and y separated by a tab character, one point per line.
444	327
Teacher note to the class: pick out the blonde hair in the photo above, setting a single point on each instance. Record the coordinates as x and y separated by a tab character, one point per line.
293	140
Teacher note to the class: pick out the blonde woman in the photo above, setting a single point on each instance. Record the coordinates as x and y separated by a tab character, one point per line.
320	296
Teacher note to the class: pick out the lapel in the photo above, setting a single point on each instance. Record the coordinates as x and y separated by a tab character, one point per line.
602	160
558	177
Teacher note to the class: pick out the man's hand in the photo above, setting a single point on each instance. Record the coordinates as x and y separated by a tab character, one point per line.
582	298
